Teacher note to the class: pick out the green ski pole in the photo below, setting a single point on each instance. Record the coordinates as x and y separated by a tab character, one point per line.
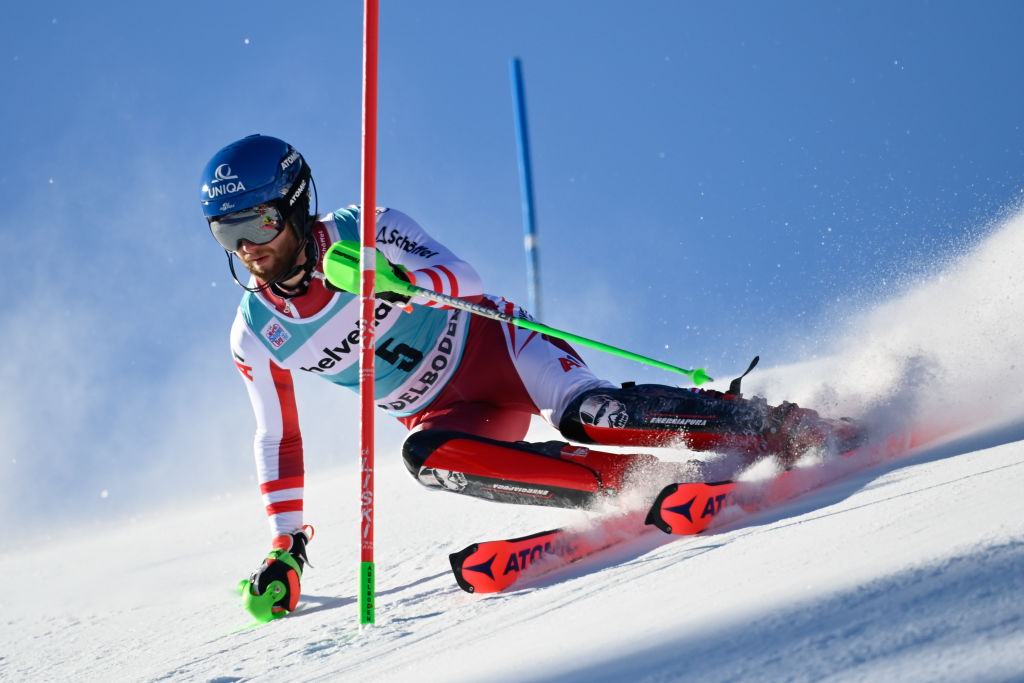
341	266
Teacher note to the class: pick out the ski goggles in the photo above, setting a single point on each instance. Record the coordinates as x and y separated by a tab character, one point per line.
258	225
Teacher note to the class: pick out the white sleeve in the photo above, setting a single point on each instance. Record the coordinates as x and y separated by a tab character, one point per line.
278	442
431	264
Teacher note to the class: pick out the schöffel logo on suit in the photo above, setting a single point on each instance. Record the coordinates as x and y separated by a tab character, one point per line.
393	236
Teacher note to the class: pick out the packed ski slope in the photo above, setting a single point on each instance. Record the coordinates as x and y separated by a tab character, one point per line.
908	571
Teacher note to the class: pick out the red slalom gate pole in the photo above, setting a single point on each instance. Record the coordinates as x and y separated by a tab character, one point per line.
367	340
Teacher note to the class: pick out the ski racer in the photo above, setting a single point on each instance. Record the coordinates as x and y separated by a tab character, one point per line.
466	386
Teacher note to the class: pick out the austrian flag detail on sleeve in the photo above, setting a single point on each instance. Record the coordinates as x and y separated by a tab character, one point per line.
438	279
283	495
246	370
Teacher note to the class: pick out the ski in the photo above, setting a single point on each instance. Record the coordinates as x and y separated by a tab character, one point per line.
687	509
493	566
682	509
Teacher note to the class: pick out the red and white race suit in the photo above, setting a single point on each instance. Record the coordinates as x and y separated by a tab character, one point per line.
437	367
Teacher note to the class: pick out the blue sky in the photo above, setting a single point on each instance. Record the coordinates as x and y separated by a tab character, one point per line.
712	181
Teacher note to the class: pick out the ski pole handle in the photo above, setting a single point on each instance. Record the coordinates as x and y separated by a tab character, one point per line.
341	265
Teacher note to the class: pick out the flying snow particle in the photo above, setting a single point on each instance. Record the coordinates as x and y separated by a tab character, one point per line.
246	41
104	494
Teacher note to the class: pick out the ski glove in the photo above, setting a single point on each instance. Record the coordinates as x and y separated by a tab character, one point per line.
272	591
395	297
343	274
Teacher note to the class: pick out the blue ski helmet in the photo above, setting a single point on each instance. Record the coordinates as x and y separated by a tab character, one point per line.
257	169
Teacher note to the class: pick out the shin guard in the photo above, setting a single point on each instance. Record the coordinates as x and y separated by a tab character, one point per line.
657	415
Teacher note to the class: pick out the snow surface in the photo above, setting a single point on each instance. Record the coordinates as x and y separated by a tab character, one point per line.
912	570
